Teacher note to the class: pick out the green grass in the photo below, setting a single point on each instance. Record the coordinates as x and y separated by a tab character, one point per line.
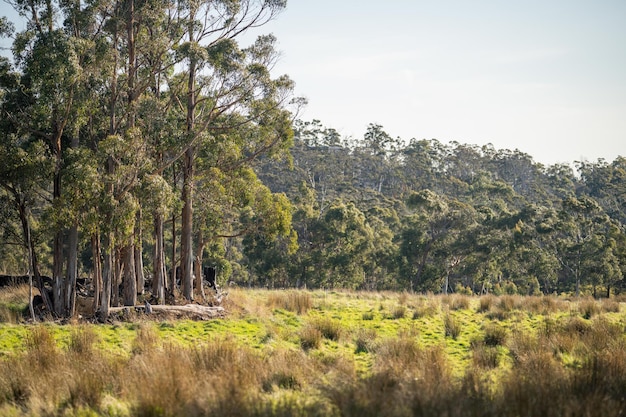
326	353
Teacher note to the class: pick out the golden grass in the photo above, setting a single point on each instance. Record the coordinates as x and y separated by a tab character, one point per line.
340	356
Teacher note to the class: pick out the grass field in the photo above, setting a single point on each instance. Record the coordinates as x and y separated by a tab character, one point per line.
295	353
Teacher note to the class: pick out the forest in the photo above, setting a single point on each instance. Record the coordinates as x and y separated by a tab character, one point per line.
142	141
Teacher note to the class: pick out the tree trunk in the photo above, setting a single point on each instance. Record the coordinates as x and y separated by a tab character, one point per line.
198	268
130	282
158	280
72	271
107	274
58	287
30	246
97	270
172	286
138	254
186	251
117	277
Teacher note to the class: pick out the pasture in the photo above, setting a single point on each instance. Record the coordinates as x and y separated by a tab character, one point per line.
324	353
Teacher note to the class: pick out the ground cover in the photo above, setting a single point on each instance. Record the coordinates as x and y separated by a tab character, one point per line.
327	353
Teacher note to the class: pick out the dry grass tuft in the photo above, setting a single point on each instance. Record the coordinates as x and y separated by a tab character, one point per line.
495	334
299	302
452	328
310	337
398	312
330	329
426	308
365	340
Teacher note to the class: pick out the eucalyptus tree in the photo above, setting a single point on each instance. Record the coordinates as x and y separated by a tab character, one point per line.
582	247
24	168
225	88
55	55
428	242
606	183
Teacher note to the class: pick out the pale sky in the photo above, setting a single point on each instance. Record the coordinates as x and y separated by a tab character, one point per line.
547	77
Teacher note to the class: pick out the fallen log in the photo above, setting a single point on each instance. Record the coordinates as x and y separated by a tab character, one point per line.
195	311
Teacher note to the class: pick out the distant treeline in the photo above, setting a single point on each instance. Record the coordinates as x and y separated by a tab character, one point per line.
382	213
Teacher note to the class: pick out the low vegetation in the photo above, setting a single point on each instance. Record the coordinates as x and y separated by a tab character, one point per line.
297	353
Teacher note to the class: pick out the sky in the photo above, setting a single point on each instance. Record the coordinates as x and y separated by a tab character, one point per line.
547	77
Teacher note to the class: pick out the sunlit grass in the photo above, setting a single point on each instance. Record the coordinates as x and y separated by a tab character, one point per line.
323	353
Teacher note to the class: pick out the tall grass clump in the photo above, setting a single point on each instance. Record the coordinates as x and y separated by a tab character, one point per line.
609	305
146	339
426	307
41	348
485	356
330	329
541	304
310	337
588	307
82	341
398	312
298	302
365	340
368	315
452	328
495	334
485	303
458	301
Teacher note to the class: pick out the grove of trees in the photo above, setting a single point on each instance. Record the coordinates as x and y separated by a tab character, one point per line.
124	118
140	138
